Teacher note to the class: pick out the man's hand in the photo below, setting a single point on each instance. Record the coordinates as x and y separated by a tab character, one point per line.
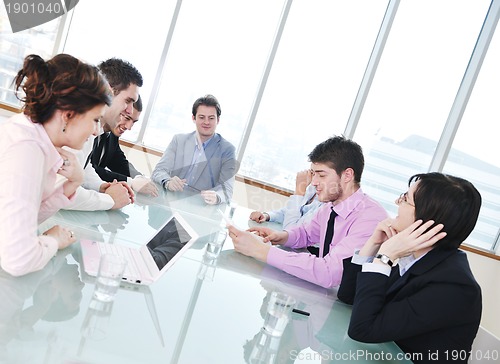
210	197
145	186
302	180
175	184
249	244
269	235
259	217
120	194
104	187
131	193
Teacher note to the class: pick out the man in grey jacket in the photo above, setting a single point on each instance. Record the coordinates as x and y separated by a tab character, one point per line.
201	161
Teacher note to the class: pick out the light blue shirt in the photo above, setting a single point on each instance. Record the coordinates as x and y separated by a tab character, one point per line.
198	157
297	209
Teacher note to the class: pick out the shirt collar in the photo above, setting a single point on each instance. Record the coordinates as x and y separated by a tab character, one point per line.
204	144
405	263
344	208
100	130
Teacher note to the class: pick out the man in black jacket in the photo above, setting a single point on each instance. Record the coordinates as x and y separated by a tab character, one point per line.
110	162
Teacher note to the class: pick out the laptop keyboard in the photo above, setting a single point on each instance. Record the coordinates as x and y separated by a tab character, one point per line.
125	252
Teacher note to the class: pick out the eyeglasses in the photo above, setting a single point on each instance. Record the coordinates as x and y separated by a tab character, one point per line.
403	198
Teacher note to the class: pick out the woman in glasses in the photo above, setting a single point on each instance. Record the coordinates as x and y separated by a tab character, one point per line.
63	99
410	283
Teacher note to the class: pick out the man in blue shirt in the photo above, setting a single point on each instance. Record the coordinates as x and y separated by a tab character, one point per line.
300	208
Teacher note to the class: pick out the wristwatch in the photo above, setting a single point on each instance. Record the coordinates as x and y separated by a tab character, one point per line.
384	259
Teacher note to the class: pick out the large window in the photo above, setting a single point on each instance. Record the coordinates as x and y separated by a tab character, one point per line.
474	155
124	29
220	48
312	84
413	91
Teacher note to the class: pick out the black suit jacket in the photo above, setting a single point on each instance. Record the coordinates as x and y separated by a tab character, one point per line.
432	310
114	164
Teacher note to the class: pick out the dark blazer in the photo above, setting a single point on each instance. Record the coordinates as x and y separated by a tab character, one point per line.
432	310
114	164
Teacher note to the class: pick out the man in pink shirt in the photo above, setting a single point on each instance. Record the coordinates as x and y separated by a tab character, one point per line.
337	165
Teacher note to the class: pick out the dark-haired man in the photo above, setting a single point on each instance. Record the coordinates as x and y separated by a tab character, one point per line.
96	194
201	161
106	155
343	223
110	162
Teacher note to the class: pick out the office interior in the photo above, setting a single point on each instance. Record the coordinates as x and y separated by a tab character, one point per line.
415	82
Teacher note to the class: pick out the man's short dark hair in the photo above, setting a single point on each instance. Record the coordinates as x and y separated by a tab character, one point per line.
120	74
207	100
340	153
138	104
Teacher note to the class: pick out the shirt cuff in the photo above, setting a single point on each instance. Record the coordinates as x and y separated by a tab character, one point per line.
376	268
50	243
272	216
359	259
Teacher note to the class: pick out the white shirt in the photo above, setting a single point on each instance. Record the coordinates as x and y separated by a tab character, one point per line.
28	195
87	196
92	181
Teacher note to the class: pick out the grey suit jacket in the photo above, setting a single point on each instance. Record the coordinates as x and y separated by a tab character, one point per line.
216	174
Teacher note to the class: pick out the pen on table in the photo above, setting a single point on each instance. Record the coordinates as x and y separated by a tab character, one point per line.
194	188
296	310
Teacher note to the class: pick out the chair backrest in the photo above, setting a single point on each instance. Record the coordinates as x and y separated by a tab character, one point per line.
486	348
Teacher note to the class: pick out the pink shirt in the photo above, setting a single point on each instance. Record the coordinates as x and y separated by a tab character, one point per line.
28	195
357	218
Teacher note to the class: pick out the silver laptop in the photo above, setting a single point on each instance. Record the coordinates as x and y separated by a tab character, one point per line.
148	263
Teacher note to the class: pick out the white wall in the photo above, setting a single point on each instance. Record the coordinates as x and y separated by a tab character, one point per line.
487	273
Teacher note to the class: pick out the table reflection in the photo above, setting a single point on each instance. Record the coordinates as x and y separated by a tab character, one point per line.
53	294
319	337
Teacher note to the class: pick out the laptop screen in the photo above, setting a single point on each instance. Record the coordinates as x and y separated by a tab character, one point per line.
168	242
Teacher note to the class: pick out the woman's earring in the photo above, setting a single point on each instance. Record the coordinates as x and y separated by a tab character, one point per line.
64	129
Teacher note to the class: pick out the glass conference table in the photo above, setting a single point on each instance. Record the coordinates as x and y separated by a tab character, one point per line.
200	311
